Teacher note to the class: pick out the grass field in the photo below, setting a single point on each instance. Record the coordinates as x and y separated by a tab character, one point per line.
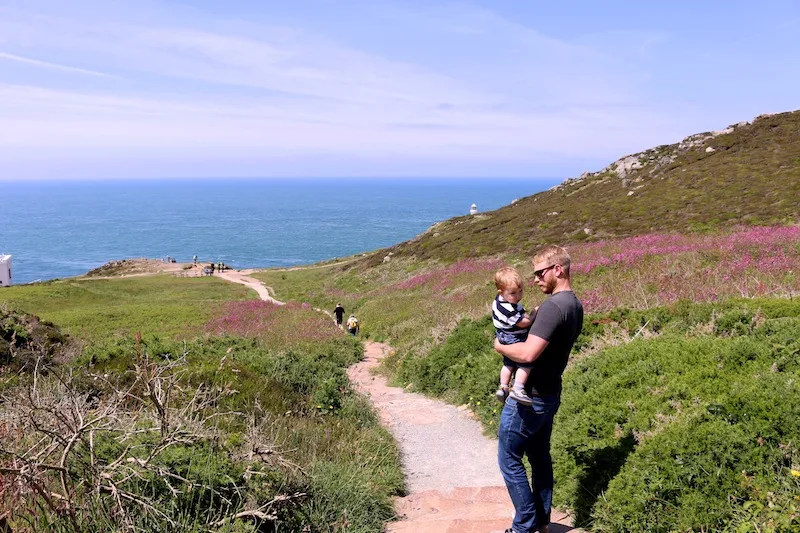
118	307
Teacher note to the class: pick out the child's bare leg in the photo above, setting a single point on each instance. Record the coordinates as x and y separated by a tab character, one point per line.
505	375
518	392
505	378
520	378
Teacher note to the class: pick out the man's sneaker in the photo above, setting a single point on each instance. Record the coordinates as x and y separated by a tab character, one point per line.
521	397
501	394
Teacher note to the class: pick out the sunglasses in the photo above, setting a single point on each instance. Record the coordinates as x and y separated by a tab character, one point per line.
540	273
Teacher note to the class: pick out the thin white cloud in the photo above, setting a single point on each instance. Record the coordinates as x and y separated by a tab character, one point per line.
224	90
55	66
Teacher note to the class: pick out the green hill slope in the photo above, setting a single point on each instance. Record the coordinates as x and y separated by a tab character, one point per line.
748	173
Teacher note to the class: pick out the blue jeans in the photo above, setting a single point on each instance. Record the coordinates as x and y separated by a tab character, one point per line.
526	431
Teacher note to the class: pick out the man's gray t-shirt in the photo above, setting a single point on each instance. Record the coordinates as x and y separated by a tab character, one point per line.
559	321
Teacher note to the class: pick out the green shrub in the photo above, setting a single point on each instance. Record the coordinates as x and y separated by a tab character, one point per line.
734	322
654	435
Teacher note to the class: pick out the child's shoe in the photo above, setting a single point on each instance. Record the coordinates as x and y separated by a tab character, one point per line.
521	397
501	393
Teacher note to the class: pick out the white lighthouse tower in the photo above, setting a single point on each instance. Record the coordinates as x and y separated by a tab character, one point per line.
5	270
473	209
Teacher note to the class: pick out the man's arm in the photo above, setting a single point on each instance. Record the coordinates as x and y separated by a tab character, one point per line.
523	352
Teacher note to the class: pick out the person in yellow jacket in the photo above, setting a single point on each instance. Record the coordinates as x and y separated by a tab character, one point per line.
352	325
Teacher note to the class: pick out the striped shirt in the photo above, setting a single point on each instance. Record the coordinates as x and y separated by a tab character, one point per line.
505	315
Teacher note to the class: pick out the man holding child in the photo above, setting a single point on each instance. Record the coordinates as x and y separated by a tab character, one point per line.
525	430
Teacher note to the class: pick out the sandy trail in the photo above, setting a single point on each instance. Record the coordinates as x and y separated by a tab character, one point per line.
243	279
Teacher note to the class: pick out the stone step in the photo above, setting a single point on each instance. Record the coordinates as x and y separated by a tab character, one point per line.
463	510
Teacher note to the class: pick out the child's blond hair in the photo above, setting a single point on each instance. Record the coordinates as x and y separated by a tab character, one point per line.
507	277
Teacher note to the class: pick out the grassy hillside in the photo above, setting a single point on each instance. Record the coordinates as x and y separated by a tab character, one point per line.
665	310
747	174
417	303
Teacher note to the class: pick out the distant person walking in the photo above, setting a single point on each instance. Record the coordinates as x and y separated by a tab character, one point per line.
525	430
194	260
352	325
338	312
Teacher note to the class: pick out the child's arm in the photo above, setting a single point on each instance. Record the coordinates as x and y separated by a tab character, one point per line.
526	320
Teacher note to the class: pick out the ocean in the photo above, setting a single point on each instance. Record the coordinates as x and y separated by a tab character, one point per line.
62	229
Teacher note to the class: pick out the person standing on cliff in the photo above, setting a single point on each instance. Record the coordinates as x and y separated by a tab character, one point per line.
525	430
338	312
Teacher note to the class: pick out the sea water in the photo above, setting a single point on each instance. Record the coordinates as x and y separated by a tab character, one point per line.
60	229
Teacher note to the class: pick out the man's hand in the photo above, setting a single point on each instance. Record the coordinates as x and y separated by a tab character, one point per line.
523	352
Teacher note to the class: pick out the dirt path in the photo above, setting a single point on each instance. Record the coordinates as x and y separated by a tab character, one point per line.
451	467
243	279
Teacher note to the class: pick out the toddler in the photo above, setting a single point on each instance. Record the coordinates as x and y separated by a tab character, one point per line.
512	324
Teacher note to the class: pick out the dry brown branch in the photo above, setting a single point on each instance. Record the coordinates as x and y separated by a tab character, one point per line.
56	429
261	512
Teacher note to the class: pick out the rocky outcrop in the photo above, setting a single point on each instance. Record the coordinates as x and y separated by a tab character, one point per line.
649	162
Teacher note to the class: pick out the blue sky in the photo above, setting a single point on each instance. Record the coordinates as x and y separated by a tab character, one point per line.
315	88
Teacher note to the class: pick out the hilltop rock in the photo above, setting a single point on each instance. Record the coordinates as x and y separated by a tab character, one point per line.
655	159
125	267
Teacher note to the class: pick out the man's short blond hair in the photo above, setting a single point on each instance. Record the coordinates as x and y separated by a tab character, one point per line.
507	277
555	255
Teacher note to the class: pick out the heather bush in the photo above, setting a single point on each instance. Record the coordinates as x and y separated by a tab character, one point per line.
292	324
659	269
